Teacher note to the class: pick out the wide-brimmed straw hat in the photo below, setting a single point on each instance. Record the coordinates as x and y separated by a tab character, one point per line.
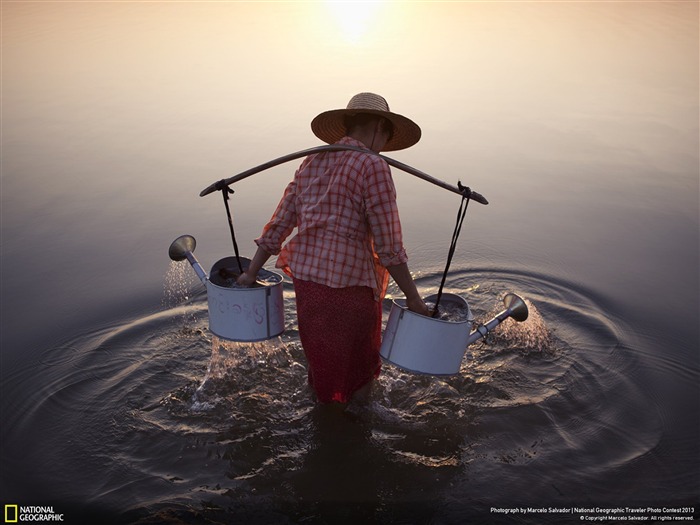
329	126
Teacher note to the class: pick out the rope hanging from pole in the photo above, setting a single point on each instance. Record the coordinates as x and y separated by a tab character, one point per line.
225	191
461	213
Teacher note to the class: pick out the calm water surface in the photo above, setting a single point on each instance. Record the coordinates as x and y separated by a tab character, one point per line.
578	121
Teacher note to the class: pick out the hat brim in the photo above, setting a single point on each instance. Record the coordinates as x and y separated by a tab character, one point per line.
329	126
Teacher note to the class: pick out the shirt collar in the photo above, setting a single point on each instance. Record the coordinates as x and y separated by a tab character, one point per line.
349	141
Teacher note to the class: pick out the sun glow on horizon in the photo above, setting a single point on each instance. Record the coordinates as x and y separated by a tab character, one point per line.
354	19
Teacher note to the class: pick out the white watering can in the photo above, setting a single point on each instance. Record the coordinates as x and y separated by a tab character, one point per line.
428	345
244	314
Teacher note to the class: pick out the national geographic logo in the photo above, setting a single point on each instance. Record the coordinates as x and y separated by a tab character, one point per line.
24	514
10	513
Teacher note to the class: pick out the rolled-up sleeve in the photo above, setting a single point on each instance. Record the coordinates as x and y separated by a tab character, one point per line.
281	224
383	213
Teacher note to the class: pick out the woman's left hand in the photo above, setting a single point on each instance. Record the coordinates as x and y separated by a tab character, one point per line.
416	304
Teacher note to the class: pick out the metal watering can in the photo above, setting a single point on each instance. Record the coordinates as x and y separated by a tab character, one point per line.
433	346
236	313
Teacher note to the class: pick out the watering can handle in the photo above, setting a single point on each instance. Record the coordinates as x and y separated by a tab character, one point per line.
336	147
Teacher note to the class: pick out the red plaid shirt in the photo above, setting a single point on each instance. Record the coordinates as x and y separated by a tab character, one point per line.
343	205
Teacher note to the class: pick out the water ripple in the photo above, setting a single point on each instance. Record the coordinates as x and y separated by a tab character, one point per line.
172	413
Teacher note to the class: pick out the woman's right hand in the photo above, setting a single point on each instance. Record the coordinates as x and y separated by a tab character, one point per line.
246	279
250	275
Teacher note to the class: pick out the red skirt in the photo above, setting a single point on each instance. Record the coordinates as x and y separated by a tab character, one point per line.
340	331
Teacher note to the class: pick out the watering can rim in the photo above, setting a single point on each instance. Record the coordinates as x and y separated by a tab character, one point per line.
401	303
279	277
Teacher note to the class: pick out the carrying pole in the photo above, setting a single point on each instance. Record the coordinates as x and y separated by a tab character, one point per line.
337	147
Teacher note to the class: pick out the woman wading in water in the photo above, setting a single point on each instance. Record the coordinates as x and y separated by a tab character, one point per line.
348	242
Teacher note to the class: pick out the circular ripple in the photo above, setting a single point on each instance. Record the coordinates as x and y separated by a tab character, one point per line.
168	411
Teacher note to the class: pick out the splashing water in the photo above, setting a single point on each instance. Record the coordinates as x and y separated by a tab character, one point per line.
177	284
260	370
529	335
179	287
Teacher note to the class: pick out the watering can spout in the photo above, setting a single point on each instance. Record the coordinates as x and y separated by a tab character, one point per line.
515	308
181	249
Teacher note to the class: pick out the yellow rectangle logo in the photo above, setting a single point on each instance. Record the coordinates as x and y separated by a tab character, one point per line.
11	512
